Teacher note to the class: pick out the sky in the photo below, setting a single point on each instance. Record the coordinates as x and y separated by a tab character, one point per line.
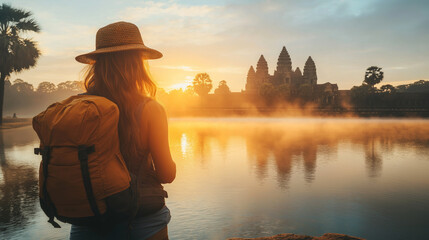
223	38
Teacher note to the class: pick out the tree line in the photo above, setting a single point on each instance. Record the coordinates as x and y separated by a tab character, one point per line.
202	85
25	100
414	95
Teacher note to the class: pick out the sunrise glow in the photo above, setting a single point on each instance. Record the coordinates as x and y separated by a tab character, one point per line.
208	119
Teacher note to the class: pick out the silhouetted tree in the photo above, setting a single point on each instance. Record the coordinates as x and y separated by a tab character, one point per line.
21	86
46	87
222	88
176	93
419	86
23	99
362	95
70	86
202	84
17	53
189	91
388	88
373	75
402	88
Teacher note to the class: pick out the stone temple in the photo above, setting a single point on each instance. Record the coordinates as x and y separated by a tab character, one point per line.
284	74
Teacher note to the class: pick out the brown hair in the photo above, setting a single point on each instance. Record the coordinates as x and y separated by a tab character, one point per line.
122	77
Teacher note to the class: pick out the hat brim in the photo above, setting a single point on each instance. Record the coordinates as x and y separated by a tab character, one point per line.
91	57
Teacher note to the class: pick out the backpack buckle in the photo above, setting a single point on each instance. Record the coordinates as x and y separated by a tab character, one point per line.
37	151
84	151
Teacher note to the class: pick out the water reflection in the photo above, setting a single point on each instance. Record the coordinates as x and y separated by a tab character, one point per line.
373	158
254	177
295	145
18	186
285	148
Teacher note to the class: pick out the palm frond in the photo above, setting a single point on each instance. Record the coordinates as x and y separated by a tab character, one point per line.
16	52
14	14
10	16
26	54
28	25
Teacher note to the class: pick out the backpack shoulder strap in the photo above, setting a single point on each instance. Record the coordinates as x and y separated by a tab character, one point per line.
46	203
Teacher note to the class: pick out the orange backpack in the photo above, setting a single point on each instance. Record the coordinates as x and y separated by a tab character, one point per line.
83	178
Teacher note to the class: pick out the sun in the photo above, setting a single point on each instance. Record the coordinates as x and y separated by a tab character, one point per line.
182	85
179	86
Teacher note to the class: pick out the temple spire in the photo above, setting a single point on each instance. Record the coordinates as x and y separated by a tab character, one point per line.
251	80
262	67
298	71
251	72
284	63
310	75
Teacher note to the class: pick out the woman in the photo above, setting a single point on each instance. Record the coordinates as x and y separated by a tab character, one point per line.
117	70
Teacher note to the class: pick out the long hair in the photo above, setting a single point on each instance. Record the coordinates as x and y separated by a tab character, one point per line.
124	78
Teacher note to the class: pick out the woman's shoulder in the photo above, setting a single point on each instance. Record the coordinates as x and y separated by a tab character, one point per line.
154	105
153	108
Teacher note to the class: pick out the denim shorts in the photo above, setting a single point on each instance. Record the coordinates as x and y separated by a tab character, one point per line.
141	228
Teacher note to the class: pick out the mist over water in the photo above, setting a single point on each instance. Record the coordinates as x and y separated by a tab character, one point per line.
250	177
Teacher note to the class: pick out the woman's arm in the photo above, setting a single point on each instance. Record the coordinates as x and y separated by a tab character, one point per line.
158	142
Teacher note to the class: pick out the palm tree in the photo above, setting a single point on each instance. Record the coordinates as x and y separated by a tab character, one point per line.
373	75
16	53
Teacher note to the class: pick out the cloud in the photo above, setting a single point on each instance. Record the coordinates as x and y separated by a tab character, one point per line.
164	9
227	69
171	22
343	36
69	40
224	38
183	68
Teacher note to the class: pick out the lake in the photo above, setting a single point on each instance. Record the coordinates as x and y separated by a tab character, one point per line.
251	177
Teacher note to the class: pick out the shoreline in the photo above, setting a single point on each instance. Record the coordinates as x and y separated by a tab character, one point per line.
291	236
301	112
10	123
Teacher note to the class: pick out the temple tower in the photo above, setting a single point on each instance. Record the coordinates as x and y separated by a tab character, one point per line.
297	76
284	63
283	73
310	75
298	72
251	80
261	75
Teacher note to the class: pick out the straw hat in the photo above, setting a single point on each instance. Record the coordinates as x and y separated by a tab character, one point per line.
119	36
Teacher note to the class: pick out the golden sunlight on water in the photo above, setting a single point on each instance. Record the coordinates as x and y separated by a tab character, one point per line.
184	143
255	177
249	177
